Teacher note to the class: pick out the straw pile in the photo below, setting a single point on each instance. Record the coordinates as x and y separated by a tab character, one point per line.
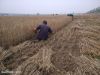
71	51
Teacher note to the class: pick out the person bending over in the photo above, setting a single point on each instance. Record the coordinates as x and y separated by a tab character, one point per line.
43	31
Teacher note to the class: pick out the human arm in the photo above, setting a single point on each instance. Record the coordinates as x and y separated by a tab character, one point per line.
50	30
37	28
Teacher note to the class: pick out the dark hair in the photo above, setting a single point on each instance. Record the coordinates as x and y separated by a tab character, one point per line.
44	22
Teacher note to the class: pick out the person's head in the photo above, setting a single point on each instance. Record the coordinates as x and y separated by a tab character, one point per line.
45	22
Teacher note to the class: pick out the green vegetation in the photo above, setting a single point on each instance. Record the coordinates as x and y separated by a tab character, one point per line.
96	10
98	57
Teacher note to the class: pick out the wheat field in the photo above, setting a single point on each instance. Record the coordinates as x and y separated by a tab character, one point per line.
16	29
74	49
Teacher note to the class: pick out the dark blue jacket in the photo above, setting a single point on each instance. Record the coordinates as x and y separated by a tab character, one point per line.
43	31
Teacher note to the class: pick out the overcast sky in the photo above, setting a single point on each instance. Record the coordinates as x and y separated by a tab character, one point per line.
47	6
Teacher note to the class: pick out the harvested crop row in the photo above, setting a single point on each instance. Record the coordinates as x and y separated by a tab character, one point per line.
65	53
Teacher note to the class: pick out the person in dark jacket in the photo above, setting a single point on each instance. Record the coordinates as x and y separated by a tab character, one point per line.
43	31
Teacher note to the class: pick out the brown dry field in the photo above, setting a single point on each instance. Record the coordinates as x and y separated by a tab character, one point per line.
74	49
16	29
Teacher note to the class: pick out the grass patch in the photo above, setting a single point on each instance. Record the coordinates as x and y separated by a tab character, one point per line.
97	57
